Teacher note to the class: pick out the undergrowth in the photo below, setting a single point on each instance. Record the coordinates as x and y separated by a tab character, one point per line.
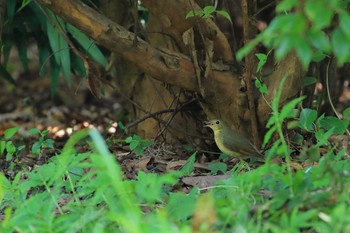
86	192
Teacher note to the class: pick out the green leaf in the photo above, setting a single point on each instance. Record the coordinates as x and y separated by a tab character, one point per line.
224	14
54	39
320	14
263	89
287	110
49	143
22	52
307	81
322	137
181	206
11	9
34	131
36	148
208	11
54	75
286	5
319	40
341	46
134	144
128	140
45	132
242	52
339	126
307	119
2	146
10	132
304	53
24	4
218	167
6	75
194	13
346	113
10	148
88	45
286	44
268	135
344	23
187	169
262	60
65	60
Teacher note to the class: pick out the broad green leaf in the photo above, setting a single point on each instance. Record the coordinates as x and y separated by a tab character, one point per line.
338	126
225	14
307	119
307	81
134	144
341	46
10	132
318	12
34	131
187	169
218	167
89	46
181	206
36	148
304	53
344	23
286	5
263	89
286	45
319	40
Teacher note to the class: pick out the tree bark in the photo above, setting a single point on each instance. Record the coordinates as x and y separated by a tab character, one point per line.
202	63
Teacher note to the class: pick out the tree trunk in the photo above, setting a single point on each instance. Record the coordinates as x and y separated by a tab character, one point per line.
185	63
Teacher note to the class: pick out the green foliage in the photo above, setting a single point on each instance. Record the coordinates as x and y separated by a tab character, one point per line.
53	38
207	12
8	146
42	143
218	167
137	144
307	28
85	191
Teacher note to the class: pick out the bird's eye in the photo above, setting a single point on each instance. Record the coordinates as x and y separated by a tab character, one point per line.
217	122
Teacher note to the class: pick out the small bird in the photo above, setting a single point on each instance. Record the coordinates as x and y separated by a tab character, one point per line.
231	142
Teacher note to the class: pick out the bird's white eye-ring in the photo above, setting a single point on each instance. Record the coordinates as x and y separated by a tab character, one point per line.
217	122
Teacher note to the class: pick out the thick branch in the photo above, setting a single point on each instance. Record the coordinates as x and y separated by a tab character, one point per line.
170	67
173	17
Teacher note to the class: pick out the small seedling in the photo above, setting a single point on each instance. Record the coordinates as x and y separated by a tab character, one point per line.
137	144
42	143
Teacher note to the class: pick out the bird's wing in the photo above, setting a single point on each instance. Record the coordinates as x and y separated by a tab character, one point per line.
238	143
